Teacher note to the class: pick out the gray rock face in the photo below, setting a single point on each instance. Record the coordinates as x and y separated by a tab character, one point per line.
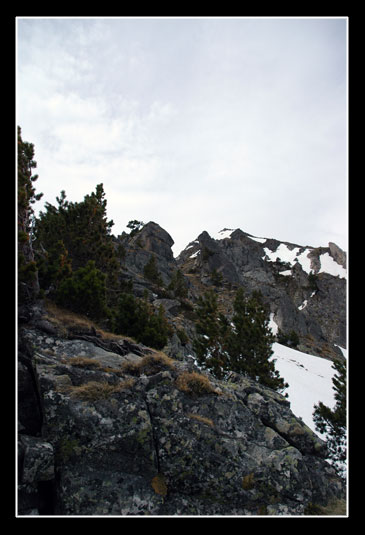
148	435
338	254
314	306
151	240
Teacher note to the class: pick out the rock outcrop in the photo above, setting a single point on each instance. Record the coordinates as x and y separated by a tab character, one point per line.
150	241
305	287
120	429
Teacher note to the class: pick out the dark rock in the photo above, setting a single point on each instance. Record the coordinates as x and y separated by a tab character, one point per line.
338	254
125	444
151	240
315	308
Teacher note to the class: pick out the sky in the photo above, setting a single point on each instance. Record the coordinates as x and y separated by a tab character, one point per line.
193	123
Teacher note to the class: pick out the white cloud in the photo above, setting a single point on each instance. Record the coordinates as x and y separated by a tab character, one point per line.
218	122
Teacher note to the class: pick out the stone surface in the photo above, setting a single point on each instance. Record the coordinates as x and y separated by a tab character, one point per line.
314	309
142	438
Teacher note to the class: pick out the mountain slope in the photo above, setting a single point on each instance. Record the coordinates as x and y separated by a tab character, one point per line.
309	378
124	430
111	427
305	287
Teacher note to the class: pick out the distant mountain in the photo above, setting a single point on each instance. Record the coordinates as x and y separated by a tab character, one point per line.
304	286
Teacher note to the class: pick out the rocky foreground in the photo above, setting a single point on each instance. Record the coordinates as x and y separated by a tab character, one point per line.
110	427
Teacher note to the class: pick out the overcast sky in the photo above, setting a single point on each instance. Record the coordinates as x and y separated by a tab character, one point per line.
194	123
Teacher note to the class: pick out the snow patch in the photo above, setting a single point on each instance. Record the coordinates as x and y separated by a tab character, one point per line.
286	273
260	240
225	233
194	255
344	351
329	265
304	261
273	325
290	256
310	381
283	253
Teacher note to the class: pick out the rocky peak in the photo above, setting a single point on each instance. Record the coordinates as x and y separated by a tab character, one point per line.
151	241
155	239
337	254
304	286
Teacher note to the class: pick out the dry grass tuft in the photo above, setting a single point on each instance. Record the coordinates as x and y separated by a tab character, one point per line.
64	320
149	365
82	362
248	481
159	484
201	419
335	507
194	383
96	390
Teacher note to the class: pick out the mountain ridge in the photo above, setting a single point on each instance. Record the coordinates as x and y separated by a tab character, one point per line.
297	281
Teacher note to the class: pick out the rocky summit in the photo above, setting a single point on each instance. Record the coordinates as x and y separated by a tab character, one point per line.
304	286
111	427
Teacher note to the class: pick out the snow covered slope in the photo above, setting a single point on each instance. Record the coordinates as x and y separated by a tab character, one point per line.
309	378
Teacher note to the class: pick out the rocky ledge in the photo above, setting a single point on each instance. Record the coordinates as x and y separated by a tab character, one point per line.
108	427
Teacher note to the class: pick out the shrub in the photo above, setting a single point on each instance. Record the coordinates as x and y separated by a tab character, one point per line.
136	318
178	285
151	272
194	383
83	362
290	339
183	337
148	365
84	292
95	390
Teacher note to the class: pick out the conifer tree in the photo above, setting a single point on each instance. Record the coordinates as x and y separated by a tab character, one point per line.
242	345
212	329
332	422
135	227
136	318
84	292
151	272
178	284
83	234
28	286
251	339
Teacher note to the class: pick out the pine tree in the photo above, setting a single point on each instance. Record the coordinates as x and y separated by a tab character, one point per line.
151	272
156	331
251	339
135	227
28	285
136	318
242	345
178	284
83	234
84	292
212	329
332	422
